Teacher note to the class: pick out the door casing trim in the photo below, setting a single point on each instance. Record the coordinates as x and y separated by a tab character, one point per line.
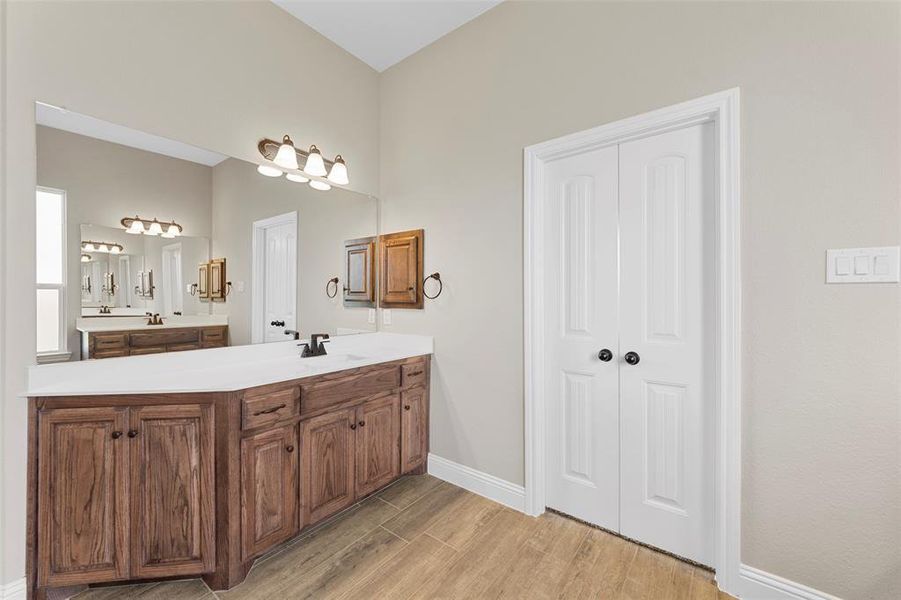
723	109
257	306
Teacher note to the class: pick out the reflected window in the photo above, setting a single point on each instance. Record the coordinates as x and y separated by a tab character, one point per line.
50	275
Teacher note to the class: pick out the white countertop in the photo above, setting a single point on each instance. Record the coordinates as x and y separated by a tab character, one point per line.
219	369
95	324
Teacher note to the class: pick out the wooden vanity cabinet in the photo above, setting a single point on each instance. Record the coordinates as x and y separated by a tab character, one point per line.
269	489
328	464
377	444
414	427
127	492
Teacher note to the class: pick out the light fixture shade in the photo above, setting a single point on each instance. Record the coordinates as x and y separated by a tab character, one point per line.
173	231
103	248
115	249
338	174
320	185
135	227
167	234
286	157
85	258
315	166
269	171
154	229
296	178
88	247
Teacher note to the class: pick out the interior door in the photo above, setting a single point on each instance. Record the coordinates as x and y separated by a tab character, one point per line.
377	443
666	315
582	442
84	500
279	285
173	299
173	490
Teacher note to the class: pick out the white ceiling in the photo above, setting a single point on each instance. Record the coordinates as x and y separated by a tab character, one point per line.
60	118
382	33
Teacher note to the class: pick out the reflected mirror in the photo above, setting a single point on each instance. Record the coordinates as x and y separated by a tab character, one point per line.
207	245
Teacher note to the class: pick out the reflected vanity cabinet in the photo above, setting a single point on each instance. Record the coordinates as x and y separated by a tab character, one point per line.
153	486
111	344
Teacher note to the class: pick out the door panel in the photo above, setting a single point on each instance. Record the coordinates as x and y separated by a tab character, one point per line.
377	443
328	464
667	268
581	306
172	482
279	280
83	496
269	491
414	430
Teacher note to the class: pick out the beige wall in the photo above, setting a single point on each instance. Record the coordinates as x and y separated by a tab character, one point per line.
105	182
217	75
820	158
324	221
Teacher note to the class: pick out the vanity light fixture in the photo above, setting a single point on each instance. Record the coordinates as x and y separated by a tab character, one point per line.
85	258
107	247
301	166
165	229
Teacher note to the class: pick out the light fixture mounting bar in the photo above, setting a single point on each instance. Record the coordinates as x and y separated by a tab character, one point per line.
269	148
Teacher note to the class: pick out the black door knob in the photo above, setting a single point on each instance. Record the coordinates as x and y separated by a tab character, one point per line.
605	355
632	358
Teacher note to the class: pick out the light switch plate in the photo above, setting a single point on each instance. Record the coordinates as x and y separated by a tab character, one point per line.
863	265
386	316
239	286
371	318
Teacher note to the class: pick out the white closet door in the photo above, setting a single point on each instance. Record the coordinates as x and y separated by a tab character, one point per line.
580	268
280	283
666	317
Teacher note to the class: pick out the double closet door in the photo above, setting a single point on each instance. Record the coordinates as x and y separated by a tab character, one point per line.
629	271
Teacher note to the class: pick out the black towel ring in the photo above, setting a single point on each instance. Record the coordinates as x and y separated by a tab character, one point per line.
327	285
436	277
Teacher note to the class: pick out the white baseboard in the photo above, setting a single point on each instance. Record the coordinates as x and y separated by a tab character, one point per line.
760	585
14	590
477	482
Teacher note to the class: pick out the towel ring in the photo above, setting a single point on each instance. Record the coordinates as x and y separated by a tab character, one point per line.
437	277
228	288
333	280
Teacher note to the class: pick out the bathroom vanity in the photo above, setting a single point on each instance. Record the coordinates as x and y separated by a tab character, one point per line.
132	336
194	464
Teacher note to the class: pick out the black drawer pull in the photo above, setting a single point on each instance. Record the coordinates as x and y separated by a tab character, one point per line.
412	373
269	410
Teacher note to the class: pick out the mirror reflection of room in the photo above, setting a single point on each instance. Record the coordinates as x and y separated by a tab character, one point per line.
204	249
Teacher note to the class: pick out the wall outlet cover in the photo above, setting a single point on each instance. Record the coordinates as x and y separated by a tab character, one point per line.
386	316
863	265
371	317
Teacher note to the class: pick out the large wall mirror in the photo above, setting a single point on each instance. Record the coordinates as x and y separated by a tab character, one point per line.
217	243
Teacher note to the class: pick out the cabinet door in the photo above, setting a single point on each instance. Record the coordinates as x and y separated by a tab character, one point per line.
328	464
378	443
82	496
400	279
269	493
414	429
359	272
173	495
203	281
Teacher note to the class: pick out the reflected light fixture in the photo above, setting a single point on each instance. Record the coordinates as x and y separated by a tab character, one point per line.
283	158
296	178
85	258
107	247
286	157
166	229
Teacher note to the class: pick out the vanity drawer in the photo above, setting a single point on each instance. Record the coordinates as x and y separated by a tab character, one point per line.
216	334
180	347
148	350
164	338
110	353
271	407
413	374
110	341
316	396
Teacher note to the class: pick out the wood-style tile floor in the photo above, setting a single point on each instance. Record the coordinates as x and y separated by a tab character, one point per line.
423	538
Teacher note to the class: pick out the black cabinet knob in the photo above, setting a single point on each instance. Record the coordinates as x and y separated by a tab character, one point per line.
605	355
362	423
353	425
632	358
406	407
132	433
117	435
289	448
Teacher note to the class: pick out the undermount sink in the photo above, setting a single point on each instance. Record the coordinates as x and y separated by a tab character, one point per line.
346	357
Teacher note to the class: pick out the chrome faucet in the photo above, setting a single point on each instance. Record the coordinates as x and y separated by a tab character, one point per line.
316	347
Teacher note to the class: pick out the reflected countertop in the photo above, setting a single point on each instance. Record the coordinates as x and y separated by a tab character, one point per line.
219	369
95	324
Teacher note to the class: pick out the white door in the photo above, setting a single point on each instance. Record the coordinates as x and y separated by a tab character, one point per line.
173	296
583	391
667	267
275	278
630	269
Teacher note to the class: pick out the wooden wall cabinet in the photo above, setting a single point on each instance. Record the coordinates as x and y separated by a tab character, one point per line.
359	272
176	485
218	284
126	493
400	269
